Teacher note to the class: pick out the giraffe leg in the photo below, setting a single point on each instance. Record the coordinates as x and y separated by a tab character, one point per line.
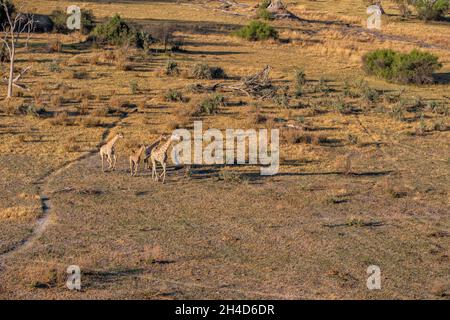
153	169
101	155
108	160
131	167
164	172
115	161
156	173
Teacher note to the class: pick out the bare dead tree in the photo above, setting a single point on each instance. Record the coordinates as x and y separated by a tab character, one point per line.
257	85
276	5
14	26
30	28
279	10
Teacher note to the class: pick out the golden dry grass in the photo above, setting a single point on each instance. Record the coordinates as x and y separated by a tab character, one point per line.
305	233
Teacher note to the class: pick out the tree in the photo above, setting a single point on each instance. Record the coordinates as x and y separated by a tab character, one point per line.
278	10
276	5
13	27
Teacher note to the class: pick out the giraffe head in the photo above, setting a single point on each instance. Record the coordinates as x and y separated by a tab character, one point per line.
175	137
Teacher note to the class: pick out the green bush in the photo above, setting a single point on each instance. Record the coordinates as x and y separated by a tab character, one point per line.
431	10
87	21
299	81
415	67
380	63
264	4
173	95
59	19
143	39
134	87
257	30
211	105
115	32
171	68
264	14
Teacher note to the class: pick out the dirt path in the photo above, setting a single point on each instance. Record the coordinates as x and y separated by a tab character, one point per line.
44	220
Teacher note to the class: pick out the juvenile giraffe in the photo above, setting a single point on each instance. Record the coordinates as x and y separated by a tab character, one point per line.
108	150
160	155
149	149
135	159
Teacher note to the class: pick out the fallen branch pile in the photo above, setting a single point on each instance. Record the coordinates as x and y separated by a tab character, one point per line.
258	85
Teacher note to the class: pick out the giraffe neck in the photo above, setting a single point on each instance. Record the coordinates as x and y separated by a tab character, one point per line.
165	146
113	141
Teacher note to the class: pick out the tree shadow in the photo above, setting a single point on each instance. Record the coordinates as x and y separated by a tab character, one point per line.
442	78
91	278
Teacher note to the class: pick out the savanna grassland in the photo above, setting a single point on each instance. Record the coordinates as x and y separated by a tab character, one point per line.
364	162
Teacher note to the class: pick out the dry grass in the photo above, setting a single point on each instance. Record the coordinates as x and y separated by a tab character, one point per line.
20	213
258	235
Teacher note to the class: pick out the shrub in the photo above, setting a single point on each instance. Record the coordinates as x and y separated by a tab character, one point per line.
257	30
102	111
217	73
59	19
282	98
257	118
171	68
143	39
299	81
61	119
398	111
84	106
300	77
87	21
264	14
114	32
380	63
54	46
232	177
123	64
431	10
54	66
264	4
343	107
296	136
80	75
403	7
134	87
414	67
370	95
173	95
322	86
204	71
210	105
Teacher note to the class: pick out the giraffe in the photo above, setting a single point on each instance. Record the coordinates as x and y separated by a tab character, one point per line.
108	151
149	149
135	159
160	155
